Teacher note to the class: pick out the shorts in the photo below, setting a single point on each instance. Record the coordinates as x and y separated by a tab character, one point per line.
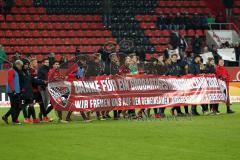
37	97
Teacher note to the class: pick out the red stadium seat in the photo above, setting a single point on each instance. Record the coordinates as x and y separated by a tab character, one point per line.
27	18
1	18
32	25
191	33
9	18
200	32
13	25
9	33
36	18
36	33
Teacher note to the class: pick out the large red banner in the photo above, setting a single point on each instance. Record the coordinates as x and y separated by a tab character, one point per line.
131	92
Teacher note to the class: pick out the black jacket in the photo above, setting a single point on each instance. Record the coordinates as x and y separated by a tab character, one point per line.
210	69
228	3
196	45
174	40
194	68
174	69
26	85
43	75
160	69
114	68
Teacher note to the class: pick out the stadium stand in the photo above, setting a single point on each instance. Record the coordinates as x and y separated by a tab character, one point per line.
39	26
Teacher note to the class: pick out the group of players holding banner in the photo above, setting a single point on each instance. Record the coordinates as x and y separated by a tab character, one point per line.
27	83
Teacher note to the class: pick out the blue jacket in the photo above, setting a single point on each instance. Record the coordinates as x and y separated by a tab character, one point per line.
13	83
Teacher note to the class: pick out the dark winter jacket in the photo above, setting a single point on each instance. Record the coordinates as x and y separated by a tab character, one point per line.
43	75
194	68
174	69
210	69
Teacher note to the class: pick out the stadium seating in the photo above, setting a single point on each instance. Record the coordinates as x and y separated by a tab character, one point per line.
29	29
40	26
236	12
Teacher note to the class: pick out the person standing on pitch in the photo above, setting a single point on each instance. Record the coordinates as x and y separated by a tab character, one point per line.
27	92
13	90
43	75
55	75
114	69
175	69
195	70
222	73
37	98
210	69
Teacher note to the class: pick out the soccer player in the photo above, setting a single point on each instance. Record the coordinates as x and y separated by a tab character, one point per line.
195	69
27	91
222	73
210	69
13	90
36	94
114	69
43	75
55	75
175	69
78	71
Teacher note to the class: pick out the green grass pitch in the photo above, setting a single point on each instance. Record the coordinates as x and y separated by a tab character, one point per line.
197	138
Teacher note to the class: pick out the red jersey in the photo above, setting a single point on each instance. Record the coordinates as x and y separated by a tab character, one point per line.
54	75
222	73
33	73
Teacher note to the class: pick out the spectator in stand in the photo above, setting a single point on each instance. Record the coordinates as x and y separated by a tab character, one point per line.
77	53
176	22
196	44
170	21
182	22
162	22
3	57
189	58
210	18
182	46
107	10
174	40
196	21
16	56
229	6
187	20
203	22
